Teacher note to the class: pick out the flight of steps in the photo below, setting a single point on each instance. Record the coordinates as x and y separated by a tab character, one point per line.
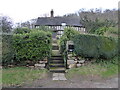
56	62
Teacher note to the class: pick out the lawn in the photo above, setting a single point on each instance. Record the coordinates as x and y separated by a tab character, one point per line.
19	75
103	69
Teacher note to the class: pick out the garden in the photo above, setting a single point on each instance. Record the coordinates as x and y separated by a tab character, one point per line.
20	52
27	47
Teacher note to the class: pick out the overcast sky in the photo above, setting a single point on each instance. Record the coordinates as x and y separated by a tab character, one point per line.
23	10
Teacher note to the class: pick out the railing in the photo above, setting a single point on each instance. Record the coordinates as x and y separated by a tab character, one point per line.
65	58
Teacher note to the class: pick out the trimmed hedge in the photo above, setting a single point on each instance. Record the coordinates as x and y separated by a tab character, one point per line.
7	50
92	46
32	46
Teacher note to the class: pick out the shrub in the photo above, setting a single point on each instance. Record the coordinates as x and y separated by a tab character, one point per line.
91	46
32	46
21	30
101	31
7	50
69	33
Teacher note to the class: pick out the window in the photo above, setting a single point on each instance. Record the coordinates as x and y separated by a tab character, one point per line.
63	24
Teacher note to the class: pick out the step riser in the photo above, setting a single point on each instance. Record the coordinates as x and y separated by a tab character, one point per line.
56	65
57	71
60	59
56	57
55	48
56	61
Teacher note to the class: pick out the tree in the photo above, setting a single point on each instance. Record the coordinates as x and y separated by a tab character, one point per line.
28	24
6	24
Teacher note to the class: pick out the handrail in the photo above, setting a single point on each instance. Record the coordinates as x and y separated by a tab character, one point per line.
65	58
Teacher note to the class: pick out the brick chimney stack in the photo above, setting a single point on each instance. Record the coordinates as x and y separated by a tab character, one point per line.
52	13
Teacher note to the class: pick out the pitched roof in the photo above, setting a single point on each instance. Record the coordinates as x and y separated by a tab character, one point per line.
70	21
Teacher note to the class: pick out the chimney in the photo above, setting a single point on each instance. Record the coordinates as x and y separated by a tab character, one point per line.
52	13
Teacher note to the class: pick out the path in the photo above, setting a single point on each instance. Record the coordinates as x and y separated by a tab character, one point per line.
74	82
59	76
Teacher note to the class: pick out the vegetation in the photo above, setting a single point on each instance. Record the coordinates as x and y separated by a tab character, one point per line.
26	45
91	46
93	25
33	46
7	50
94	19
112	32
6	24
19	75
103	69
44	28
101	31
21	30
69	34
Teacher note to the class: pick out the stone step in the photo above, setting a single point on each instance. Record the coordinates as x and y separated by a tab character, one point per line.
55	44
59	76
57	69
57	65
56	58
56	61
55	47
55	52
54	40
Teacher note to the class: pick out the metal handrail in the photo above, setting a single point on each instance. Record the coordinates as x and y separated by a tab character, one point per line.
65	58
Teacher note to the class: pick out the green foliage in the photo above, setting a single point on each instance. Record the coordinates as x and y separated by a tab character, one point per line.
22	30
69	33
7	50
97	24
32	46
101	31
25	45
91	46
44	28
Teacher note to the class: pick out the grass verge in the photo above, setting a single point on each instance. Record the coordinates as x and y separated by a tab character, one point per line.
103	69
20	75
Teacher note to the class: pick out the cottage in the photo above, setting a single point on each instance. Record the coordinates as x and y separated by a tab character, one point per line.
57	24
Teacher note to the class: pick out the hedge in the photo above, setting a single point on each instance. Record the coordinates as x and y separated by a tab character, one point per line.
7	50
92	46
32	46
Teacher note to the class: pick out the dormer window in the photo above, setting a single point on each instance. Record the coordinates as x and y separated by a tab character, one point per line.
63	24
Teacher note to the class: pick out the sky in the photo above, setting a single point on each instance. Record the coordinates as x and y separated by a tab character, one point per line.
23	10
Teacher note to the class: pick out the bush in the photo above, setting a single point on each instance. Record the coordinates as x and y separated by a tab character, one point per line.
21	30
32	46
69	33
102	30
7	50
91	46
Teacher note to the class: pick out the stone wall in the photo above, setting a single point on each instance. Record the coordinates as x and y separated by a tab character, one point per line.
74	62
